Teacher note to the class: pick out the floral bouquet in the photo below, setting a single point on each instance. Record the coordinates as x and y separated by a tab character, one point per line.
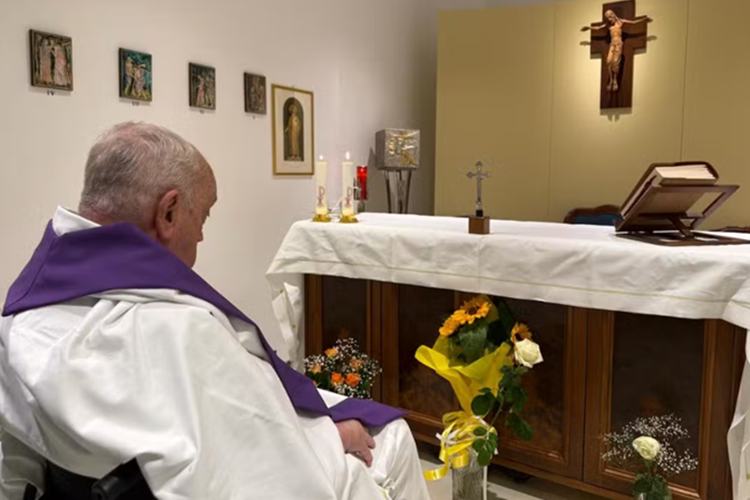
343	369
653	444
483	353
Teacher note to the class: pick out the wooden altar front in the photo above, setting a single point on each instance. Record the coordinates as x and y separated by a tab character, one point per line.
601	369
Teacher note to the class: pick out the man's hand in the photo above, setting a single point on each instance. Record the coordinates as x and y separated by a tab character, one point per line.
356	439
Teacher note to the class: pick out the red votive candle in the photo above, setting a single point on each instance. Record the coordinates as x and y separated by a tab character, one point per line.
362	180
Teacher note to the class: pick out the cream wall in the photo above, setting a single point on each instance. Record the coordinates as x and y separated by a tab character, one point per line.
549	146
370	64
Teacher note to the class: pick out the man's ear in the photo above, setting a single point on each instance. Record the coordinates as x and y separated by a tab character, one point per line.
166	216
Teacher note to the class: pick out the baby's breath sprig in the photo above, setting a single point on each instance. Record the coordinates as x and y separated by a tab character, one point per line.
672	456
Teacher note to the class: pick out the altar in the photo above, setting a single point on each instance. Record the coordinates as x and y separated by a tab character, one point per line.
626	328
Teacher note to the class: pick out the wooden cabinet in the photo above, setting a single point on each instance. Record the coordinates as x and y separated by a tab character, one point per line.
601	369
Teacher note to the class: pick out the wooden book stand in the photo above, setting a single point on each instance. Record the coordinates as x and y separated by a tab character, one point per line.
651	219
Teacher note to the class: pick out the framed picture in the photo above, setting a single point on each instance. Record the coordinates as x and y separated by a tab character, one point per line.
51	60
202	86
255	94
292	126
135	75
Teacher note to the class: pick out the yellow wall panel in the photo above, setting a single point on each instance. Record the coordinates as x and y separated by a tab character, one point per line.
493	105
717	110
518	86
597	155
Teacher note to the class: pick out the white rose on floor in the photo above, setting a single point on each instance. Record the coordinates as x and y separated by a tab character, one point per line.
647	447
527	353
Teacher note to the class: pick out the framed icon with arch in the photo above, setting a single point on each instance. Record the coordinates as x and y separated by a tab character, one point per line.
292	130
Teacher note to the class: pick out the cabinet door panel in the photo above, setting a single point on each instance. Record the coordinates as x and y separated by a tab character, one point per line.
339	308
641	365
556	387
556	390
412	316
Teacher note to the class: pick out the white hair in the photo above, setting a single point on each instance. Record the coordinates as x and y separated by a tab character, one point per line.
132	165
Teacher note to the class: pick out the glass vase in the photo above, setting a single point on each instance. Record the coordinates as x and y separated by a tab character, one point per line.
470	482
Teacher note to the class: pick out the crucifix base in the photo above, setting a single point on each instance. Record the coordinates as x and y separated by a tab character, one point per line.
479	225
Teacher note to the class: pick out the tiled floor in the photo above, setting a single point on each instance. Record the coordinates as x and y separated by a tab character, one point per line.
501	487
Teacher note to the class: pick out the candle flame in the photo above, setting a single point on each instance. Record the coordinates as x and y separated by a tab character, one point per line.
348	156
320	158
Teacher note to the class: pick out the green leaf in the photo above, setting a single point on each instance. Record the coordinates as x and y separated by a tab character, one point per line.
642	484
519	399
519	426
478	445
472	342
484	458
485	390
480	431
484	449
482	404
660	486
492	439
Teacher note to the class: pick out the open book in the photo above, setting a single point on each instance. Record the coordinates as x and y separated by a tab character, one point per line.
670	201
671	174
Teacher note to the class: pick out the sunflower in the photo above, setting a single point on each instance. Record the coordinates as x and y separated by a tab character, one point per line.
519	332
474	309
450	326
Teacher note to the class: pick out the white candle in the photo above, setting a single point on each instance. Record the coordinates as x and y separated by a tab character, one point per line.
321	195
347	186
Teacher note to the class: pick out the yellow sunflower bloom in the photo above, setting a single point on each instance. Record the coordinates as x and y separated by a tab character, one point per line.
475	309
449	327
520	332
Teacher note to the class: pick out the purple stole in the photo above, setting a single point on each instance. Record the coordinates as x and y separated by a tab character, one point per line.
120	256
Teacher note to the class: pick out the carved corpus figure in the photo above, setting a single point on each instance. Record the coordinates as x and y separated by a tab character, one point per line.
614	55
617	38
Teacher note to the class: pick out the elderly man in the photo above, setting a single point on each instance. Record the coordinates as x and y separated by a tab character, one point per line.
112	348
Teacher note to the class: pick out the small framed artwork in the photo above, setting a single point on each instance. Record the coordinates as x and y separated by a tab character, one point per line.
255	94
51	60
202	86
292	126
135	75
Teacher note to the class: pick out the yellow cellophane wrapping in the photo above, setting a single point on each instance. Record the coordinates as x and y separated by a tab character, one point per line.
466	381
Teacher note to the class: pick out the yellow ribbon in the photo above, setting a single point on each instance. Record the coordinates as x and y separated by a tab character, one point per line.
455	442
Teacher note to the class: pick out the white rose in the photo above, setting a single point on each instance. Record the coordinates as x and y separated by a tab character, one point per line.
527	353
647	447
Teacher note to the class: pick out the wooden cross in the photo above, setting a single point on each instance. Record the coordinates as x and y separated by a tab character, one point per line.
480	175
616	39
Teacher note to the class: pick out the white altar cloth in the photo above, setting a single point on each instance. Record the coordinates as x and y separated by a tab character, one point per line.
575	265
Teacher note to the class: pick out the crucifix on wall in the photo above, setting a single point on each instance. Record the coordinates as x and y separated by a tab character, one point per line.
616	39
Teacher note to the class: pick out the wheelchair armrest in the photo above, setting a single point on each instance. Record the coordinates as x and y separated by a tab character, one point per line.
126	482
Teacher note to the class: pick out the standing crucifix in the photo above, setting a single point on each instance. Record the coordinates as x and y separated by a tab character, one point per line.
478	223
480	175
616	39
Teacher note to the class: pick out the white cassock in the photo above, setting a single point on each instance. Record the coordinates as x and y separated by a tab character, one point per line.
170	380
